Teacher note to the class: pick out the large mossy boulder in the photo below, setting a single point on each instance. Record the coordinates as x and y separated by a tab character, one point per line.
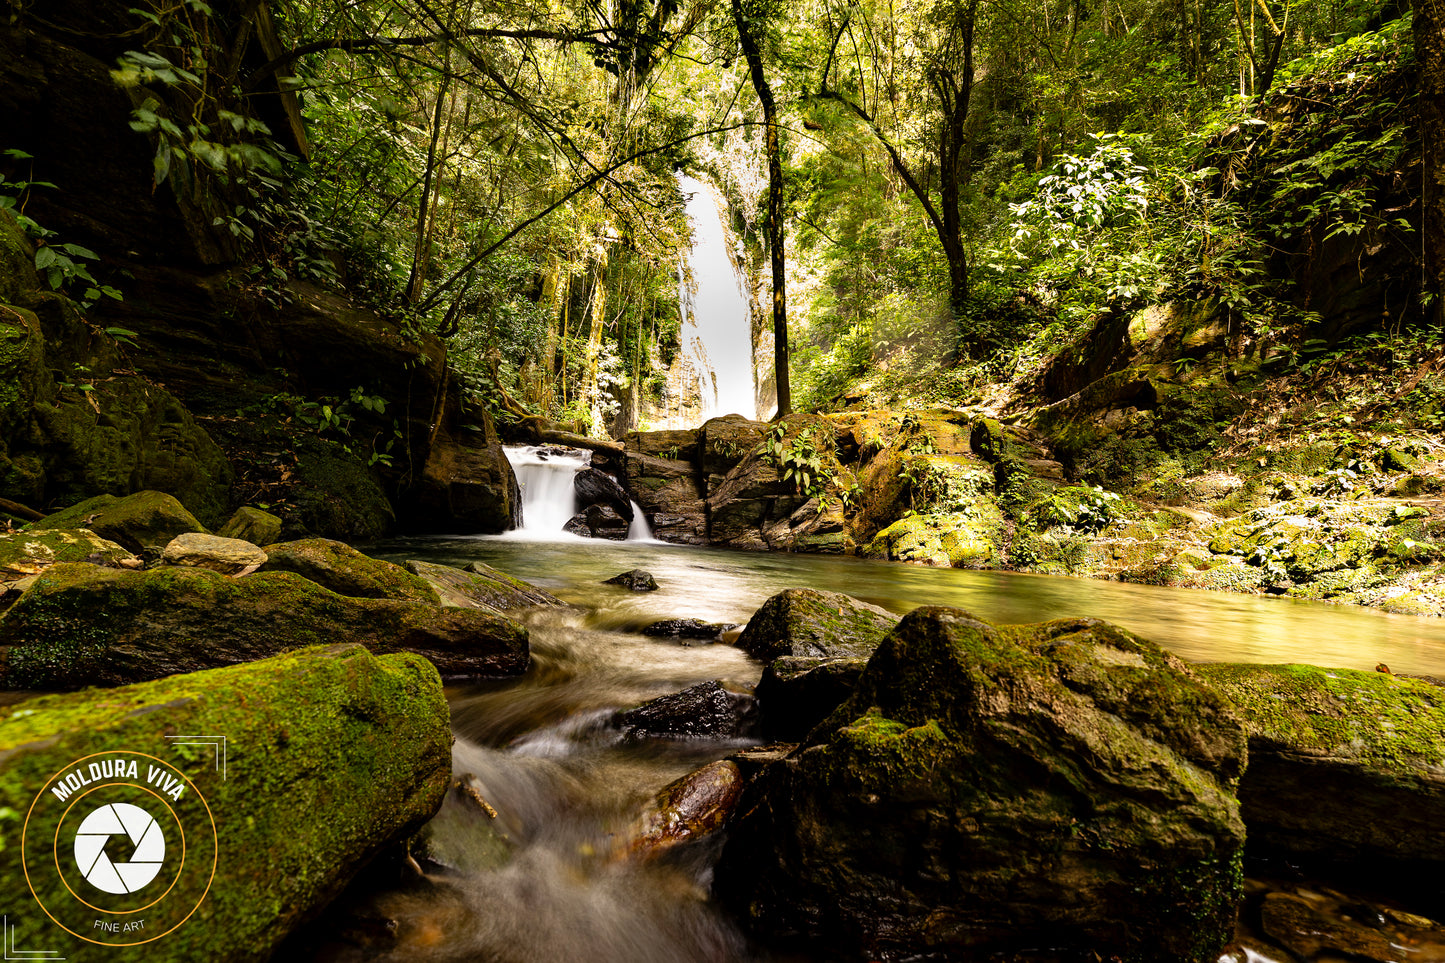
80	625
346	571
479	586
330	756
29	552
144	520
1346	770
1065	788
253	525
810	623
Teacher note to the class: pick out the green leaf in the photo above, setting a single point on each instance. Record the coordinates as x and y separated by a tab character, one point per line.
45	257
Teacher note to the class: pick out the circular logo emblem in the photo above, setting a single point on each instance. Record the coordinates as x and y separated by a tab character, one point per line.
119	848
122	821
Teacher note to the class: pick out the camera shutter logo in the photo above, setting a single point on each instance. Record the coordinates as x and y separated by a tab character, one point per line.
119	820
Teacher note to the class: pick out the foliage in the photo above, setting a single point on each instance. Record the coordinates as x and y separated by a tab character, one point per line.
806	457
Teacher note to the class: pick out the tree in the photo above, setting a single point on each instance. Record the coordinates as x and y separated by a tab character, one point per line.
1429	30
753	54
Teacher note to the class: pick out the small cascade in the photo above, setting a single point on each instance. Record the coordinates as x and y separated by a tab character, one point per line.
547	476
639	530
548	497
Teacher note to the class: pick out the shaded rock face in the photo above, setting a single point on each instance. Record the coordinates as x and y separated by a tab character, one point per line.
705	710
81	625
635	581
995	789
670	495
467	484
795	694
598	521
1346	771
806	622
304	804
225	555
480	586
599	489
144	520
345	571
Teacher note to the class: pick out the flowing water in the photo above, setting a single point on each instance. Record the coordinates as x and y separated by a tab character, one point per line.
548	879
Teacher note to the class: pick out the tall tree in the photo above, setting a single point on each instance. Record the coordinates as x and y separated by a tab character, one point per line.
747	38
1429	28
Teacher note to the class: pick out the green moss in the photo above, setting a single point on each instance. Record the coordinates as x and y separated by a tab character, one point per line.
346	571
147	519
1372	717
332	754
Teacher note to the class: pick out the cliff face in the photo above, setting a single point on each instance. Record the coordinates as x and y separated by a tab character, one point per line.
246	368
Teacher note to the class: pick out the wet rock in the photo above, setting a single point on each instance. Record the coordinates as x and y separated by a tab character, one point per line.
27	552
1302	929
806	622
345	571
598	521
479	586
225	555
688	809
81	625
990	789
670	495
692	629
304	804
143	520
595	488
676	445
636	580
1346	771
704	711
253	525
467	484
797	693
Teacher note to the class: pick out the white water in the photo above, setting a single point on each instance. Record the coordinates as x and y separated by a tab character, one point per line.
716	327
549	500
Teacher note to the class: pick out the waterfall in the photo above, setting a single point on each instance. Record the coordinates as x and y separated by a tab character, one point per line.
717	337
549	500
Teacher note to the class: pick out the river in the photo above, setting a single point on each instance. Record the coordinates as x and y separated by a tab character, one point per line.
547	881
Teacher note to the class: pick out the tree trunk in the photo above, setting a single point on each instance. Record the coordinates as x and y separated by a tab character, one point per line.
775	209
419	252
1430	53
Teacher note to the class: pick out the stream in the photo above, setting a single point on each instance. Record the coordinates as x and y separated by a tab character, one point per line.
548	879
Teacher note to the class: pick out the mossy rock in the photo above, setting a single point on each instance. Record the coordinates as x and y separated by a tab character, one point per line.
335	494
972	539
253	525
80	624
28	552
331	755
346	571
990	789
148	519
480	586
1346	769
806	622
17	262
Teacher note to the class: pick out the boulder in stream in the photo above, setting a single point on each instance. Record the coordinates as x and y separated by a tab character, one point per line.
258	527
703	711
479	586
690	630
597	488
1346	771
796	693
331	756
28	552
598	521
988	790
806	622
346	571
80	625
687	810
225	555
635	581
144	520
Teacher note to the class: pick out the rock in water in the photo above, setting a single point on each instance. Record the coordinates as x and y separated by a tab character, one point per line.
795	694
332	755
688	809
705	710
139	521
1065	787
225	555
805	622
597	488
346	571
480	586
688	629
80	625
1376	740
636	580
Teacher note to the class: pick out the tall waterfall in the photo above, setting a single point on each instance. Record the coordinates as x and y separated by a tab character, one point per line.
716	328
549	500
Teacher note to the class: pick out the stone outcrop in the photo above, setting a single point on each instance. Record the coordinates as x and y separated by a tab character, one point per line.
480	586
300	807
345	571
80	625
1000	789
1346	771
821	625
